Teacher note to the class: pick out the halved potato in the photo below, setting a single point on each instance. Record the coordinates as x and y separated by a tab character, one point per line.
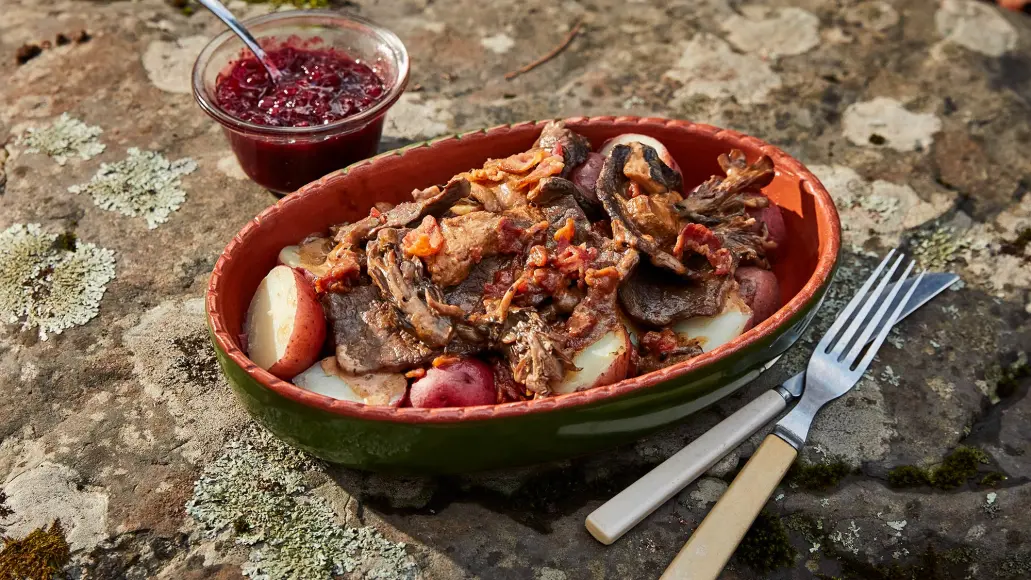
714	331
326	378
603	362
628	138
309	256
285	324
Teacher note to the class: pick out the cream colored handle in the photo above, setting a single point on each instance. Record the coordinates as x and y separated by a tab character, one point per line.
716	538
624	511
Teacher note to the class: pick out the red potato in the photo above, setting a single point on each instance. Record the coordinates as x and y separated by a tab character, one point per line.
775	228
464	383
628	138
285	324
760	290
586	174
714	331
326	378
603	362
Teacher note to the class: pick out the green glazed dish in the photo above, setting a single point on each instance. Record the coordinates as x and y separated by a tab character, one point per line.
452	440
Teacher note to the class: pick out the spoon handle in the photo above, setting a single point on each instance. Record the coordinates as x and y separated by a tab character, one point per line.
223	14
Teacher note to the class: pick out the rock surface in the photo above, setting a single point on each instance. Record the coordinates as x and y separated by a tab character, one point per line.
915	113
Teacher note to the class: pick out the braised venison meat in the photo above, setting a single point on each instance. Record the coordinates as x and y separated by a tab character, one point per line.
557	268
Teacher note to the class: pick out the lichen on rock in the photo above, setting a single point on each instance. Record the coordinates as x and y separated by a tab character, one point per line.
64	138
50	281
144	184
257	491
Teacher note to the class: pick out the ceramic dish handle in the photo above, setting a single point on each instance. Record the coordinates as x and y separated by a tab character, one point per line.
624	511
716	538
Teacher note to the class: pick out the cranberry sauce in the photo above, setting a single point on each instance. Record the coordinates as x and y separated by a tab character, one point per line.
318	86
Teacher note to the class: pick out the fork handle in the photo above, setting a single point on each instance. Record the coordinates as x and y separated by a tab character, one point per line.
624	511
716	538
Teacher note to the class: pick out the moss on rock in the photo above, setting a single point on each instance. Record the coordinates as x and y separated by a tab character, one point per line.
956	469
766	546
38	556
817	476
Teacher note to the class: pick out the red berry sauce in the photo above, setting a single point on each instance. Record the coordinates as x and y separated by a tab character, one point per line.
318	87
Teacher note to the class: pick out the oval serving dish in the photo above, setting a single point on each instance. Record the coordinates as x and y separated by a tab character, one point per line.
452	440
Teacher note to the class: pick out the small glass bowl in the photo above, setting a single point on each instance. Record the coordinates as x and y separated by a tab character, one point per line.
283	159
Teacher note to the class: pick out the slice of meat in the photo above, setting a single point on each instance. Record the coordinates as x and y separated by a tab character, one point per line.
472	237
410	211
560	140
664	348
368	337
402	283
624	230
468	294
653	300
431	201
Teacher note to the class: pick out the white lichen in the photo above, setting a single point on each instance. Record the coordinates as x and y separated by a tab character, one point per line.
256	491
849	540
708	66
773	32
49	281
144	184
64	138
898	526
975	26
886	122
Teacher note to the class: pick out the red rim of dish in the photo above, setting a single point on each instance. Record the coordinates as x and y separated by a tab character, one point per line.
826	214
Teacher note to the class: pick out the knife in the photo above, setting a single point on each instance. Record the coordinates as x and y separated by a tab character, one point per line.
624	511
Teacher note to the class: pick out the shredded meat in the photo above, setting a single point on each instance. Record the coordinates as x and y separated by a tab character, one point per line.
402	283
534	352
530	258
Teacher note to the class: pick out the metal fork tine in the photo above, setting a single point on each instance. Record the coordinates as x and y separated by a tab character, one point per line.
859	321
868	329
843	317
883	334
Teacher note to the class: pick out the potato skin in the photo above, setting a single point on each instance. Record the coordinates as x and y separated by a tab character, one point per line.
309	333
586	174
774	220
760	290
464	383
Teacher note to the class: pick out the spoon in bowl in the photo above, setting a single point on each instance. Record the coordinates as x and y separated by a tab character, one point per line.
223	14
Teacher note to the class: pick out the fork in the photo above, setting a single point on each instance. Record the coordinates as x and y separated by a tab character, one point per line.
834	368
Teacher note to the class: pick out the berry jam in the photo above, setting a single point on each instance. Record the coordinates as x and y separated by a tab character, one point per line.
318	86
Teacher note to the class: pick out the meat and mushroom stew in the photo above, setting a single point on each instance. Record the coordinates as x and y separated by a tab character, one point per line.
555	270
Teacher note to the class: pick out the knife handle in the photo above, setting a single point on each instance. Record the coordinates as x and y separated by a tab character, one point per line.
716	538
624	511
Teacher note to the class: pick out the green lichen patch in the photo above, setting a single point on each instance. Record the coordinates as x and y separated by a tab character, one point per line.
50	281
817	476
145	184
38	556
766	546
256	492
936	249
64	138
955	470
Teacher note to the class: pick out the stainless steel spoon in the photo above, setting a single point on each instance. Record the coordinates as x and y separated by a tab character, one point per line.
223	14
